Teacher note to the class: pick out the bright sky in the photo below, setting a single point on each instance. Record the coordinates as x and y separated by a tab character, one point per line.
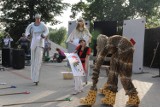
64	18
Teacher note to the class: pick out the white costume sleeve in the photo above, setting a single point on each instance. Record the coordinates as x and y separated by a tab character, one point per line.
11	39
71	36
88	36
46	30
28	30
88	33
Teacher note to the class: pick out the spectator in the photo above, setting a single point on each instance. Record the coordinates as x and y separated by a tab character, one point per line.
24	43
47	48
59	56
7	41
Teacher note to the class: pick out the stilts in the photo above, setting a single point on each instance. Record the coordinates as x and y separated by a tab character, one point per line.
65	99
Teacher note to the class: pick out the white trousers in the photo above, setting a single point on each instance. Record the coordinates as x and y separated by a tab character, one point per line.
36	61
86	77
78	83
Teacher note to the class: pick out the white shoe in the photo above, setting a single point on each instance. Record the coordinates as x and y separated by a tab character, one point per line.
75	93
80	91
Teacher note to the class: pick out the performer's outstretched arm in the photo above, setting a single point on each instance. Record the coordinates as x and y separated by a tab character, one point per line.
46	30
96	69
28	30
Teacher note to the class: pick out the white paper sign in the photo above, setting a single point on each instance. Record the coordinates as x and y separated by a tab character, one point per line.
75	63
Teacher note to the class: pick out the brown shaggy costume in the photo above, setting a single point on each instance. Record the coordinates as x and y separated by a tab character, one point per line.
120	64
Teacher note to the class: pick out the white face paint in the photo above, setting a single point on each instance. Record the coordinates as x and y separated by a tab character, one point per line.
37	20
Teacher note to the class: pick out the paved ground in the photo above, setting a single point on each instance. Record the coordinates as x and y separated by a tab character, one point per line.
52	86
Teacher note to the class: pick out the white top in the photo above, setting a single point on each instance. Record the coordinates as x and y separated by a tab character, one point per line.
36	32
7	41
76	35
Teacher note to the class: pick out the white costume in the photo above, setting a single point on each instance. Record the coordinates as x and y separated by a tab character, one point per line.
76	35
74	38
37	45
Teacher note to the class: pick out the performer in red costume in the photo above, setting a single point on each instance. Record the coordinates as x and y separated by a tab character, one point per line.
83	52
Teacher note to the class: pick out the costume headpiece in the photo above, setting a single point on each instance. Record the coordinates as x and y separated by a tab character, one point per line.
37	15
80	20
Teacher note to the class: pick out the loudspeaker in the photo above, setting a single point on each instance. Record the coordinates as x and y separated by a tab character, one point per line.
108	28
151	42
18	58
6	57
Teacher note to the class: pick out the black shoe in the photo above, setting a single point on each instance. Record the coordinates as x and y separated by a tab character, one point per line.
36	83
84	106
86	83
106	105
131	105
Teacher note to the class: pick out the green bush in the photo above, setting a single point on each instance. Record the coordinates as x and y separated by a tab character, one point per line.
1	38
58	35
94	34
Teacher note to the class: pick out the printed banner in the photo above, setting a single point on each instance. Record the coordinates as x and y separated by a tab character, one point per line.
75	63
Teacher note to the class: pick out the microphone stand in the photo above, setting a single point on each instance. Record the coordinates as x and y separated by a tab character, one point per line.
153	60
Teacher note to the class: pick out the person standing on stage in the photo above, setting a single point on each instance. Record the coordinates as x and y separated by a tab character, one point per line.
39	31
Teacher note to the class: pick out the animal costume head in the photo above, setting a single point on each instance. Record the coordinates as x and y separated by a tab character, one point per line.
101	42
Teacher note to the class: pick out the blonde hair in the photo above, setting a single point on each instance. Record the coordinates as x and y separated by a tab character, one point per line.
78	25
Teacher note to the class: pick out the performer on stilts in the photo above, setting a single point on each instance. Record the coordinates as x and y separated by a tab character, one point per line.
120	64
39	31
81	32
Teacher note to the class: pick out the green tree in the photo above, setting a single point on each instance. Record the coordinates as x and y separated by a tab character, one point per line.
2	33
17	14
117	10
94	34
58	35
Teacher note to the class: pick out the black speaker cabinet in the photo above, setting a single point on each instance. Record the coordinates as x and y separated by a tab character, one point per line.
108	28
18	58
6	57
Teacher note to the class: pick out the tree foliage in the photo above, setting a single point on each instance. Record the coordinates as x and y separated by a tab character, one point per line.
17	14
58	35
1	38
118	10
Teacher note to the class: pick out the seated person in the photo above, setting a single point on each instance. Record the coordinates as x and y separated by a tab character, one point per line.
59	56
